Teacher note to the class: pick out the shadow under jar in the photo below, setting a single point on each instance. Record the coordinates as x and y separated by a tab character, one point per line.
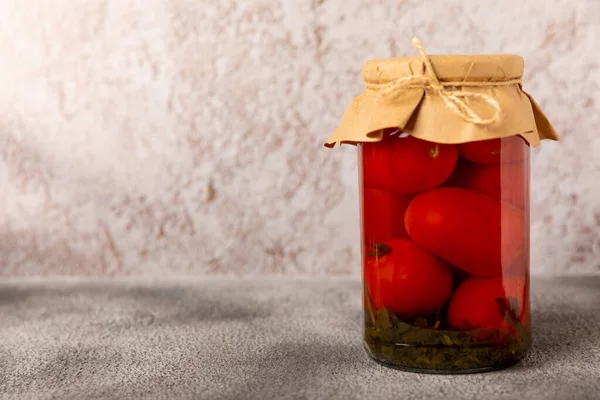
445	238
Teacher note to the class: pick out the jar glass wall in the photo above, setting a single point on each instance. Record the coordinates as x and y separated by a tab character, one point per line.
445	240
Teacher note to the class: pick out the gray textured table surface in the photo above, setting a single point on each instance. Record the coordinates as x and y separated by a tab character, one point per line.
256	339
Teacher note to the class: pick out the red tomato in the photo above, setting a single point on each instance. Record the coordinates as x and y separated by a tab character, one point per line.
409	279
475	303
506	182
520	264
383	215
406	164
470	230
494	151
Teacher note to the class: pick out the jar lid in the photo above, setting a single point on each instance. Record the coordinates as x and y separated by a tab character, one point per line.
444	99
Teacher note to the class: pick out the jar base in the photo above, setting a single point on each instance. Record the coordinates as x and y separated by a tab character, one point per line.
507	362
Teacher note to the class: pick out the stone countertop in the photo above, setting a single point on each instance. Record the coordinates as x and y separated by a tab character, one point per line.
260	339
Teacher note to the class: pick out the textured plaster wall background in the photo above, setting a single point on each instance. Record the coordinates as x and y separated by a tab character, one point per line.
184	137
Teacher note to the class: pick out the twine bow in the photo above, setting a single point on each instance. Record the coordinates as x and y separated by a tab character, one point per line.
454	97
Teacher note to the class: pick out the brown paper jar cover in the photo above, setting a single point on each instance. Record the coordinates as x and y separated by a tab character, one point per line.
423	113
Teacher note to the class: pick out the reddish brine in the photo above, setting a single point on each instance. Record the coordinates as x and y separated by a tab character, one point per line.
445	240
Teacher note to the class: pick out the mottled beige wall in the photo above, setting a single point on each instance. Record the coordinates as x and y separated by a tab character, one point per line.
159	137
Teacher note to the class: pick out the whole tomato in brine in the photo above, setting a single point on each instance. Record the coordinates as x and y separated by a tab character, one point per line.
494	151
520	264
406	278
490	303
407	165
506	182
468	229
383	215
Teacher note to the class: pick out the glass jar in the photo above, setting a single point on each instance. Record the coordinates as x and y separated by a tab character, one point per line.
445	238
444	182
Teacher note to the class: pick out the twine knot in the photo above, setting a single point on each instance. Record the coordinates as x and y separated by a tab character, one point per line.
451	92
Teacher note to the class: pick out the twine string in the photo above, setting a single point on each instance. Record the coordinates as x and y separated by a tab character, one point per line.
450	92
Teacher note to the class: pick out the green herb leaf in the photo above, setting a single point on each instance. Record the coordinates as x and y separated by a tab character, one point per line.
509	313
447	341
369	305
383	319
513	302
379	250
409	343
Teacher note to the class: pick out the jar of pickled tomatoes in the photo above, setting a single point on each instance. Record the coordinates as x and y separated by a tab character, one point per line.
444	164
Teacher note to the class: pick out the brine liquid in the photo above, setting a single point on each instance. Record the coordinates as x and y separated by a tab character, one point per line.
445	240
